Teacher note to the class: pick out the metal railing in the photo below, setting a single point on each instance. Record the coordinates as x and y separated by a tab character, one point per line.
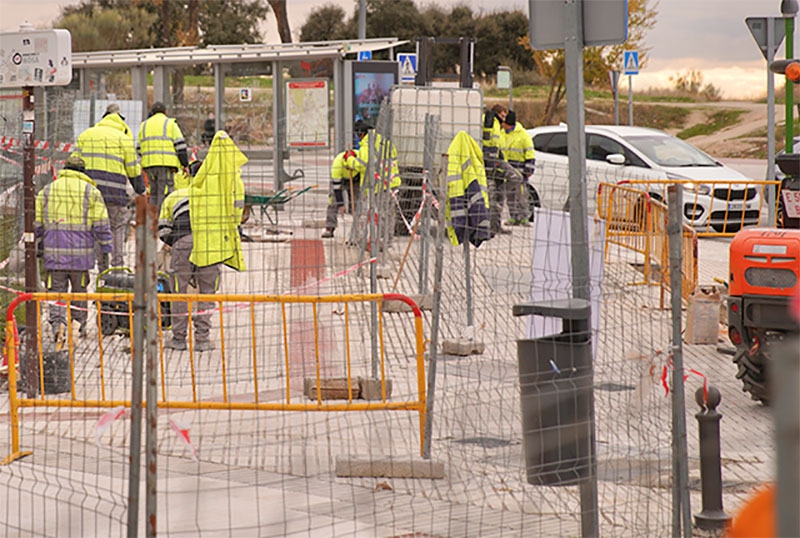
637	222
103	392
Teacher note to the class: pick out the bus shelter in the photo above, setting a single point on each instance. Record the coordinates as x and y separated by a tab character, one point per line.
285	63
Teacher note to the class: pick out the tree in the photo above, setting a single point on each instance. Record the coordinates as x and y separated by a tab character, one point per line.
282	19
324	23
597	61
170	23
395	18
107	28
499	35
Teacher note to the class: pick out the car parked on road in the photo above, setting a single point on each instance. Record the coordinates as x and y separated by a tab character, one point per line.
619	153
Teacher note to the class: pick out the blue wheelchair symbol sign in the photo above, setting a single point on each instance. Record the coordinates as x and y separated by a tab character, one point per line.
364	55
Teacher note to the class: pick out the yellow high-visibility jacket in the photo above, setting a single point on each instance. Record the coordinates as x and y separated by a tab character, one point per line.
161	142
216	204
386	167
110	157
492	133
517	148
467	210
70	218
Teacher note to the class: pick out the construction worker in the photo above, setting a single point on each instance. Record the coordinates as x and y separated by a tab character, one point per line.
163	151
201	223
386	169
343	180
467	210
517	149
501	176
71	219
107	149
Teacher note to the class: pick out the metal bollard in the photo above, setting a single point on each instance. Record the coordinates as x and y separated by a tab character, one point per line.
712	516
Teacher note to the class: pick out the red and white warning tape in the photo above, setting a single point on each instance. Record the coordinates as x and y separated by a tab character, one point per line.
7	142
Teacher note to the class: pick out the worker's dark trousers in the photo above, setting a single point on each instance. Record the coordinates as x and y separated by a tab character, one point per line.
162	182
505	183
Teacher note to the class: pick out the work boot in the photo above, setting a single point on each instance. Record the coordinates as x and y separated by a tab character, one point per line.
59	336
328	233
177	345
203	345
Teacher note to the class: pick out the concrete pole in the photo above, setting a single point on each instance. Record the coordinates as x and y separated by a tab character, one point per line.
362	19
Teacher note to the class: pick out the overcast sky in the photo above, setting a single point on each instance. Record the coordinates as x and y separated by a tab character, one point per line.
708	35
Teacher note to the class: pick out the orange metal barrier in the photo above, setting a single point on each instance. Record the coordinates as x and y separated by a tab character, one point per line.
100	395
713	208
634	220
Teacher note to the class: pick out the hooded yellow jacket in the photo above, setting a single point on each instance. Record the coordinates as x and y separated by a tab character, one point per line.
216	204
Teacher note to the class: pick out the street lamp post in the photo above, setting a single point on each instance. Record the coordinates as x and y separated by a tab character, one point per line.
789	11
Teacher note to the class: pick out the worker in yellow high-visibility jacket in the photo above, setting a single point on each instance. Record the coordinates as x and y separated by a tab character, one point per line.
163	150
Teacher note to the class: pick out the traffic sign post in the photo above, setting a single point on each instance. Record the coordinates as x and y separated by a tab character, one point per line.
769	33
571	25
408	67
613	76
630	64
504	82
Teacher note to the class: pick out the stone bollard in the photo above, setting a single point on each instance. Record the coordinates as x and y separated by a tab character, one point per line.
712	516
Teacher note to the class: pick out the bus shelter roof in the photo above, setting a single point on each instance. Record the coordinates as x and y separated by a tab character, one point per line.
230	53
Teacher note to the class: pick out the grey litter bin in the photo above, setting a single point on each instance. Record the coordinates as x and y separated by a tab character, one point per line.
555	378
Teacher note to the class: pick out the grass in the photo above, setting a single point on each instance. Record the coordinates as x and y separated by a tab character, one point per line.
718	120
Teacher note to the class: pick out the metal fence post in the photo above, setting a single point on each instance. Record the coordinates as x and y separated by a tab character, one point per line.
144	319
681	507
712	516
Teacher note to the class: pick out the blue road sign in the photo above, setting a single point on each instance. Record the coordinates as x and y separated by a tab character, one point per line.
364	55
630	61
408	66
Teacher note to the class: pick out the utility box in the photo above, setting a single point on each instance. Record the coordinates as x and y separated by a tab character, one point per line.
555	378
702	318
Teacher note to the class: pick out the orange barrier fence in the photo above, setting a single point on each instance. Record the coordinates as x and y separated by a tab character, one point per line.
637	222
716	208
103	383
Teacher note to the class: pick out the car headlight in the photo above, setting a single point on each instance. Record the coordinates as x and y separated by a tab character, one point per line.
697	188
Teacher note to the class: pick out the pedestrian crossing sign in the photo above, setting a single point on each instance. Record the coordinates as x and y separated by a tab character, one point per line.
630	61
408	67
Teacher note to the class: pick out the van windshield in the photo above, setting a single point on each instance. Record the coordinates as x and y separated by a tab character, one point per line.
670	151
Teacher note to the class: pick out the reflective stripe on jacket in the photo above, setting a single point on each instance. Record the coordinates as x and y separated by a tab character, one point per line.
173	220
216	204
467	210
386	168
70	218
517	147
161	142
110	157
